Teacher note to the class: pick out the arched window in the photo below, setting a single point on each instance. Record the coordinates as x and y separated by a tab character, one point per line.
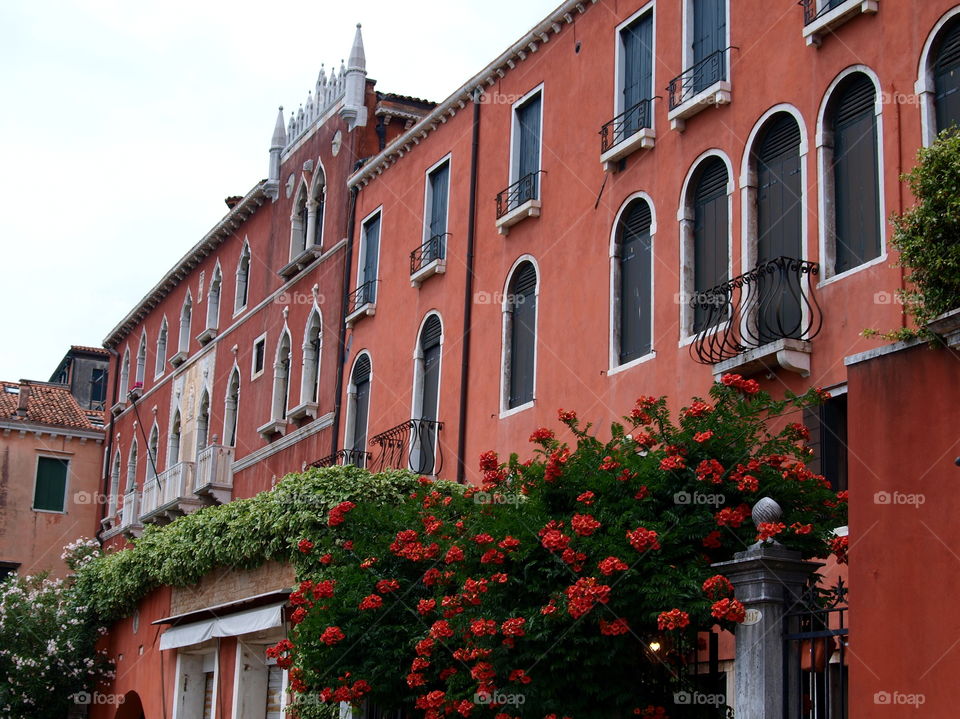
315	208
230	409
281	378
173	452
312	344
153	448
633	282
709	228
298	223
243	279
851	153
426	398
203	422
946	77
358	406
520	332
779	216
141	359
125	375
186	317
131	483
213	303
161	361
114	486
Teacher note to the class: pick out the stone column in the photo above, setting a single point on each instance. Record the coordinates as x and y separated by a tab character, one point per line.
767	578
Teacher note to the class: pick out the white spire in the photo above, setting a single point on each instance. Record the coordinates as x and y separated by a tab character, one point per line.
354	77
277	144
358	60
279	132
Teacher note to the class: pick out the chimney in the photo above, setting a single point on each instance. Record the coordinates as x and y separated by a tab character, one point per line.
24	399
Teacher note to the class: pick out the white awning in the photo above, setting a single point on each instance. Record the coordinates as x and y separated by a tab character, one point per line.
230	625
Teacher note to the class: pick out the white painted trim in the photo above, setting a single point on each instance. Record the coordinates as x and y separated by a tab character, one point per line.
505	409
685	218
925	86
427	196
504	413
514	136
362	247
825	185
613	338
618	71
632	363
253	356
687	36
416	400
349	431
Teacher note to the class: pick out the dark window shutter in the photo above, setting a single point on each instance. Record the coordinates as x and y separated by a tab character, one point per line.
439	180
637	39
711	230
856	174
528	119
636	288
779	224
709	37
371	250
51	486
361	381
422	461
361	370
523	333
828	440
430	335
946	72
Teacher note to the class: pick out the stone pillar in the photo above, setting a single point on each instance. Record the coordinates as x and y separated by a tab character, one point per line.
767	578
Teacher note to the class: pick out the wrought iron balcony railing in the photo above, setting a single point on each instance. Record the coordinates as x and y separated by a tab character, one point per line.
685	86
365	294
625	125
410	445
433	249
811	12
343	457
524	189
771	302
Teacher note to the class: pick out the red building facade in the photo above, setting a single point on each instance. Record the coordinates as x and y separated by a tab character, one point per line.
630	200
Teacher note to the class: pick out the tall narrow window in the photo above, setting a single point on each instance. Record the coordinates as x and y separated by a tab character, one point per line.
946	78
141	359
827	424
312	343
779	226
203	423
521	334
369	258
173	453
711	232
359	405
186	317
709	42
298	224
636	67
98	388
281	378
161	349
213	300
426	402
114	486
50	490
131	481
125	375
315	210
243	279
231	408
438	182
153	449
634	282
526	160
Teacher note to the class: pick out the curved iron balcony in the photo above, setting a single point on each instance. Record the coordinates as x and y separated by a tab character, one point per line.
344	457
685	86
625	125
410	445
771	302
433	249
525	189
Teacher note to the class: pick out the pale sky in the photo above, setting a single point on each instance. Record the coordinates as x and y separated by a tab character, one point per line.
124	125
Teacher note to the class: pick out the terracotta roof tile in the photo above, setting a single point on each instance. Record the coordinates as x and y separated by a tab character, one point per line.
48	404
92	350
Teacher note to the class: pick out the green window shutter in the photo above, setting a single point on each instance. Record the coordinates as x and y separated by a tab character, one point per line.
51	484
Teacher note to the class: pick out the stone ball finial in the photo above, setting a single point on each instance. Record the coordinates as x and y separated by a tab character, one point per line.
766	510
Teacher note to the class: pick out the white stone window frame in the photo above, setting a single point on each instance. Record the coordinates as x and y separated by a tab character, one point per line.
416	400
826	220
685	220
349	432
614	365
506	347
66	485
163	341
231	413
195	662
254	372
720	90
245	253
437	265
925	87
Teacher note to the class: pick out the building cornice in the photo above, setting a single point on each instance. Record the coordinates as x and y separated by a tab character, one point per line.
541	34
224	229
25	428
